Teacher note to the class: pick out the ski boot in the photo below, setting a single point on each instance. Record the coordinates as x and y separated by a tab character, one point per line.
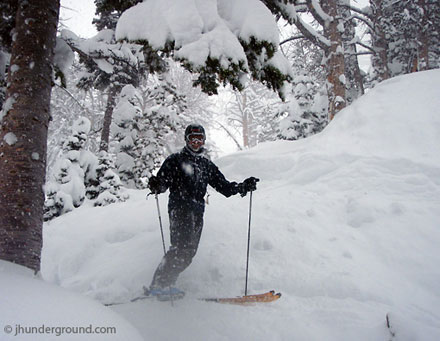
164	294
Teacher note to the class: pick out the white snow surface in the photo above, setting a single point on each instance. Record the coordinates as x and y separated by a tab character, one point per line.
345	224
28	302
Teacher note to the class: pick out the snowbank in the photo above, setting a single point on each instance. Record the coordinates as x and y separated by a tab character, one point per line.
345	225
32	309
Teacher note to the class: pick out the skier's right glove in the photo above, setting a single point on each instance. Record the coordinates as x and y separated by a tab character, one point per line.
248	185
154	185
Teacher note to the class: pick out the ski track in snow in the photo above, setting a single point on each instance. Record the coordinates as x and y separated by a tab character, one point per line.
345	225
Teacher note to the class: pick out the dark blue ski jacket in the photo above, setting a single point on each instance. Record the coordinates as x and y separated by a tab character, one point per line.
187	176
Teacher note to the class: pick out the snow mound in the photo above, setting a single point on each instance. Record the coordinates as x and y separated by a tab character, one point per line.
398	118
35	310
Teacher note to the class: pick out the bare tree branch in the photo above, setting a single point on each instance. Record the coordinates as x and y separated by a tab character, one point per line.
291	39
230	135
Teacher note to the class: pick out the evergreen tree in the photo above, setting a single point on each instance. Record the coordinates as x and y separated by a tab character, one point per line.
306	109
303	117
67	104
110	188
126	132
73	174
144	121
413	32
404	36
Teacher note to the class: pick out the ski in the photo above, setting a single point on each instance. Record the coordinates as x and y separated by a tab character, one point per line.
266	297
139	298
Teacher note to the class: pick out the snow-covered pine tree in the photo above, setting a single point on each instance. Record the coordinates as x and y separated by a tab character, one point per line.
146	120
110	188
303	117
57	201
414	30
160	121
67	104
72	174
310	79
125	131
404	36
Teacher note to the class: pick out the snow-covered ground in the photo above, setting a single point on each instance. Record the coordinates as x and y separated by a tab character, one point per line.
345	224
31	309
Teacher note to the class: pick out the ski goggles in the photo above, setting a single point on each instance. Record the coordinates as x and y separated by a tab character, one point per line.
196	138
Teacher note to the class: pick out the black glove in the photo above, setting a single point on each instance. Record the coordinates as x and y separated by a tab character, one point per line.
248	185
154	185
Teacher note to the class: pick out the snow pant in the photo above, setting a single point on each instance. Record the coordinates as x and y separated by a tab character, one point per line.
185	228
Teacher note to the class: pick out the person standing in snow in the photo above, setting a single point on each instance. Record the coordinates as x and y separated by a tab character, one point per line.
187	174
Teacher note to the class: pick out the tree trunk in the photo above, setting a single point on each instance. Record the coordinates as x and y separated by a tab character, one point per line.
354	82
379	41
335	60
423	39
113	92
23	135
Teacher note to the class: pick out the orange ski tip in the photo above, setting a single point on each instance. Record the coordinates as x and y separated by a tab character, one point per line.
266	297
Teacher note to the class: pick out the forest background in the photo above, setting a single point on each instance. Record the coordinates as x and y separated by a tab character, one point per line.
118	105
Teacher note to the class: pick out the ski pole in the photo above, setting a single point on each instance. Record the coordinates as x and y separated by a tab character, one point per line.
163	239
248	245
160	223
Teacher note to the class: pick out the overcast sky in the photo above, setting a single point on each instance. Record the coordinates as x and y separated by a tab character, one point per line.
77	15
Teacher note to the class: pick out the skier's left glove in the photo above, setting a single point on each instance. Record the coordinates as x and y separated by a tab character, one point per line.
248	185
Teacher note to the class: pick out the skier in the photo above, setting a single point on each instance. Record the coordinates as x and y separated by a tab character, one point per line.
187	174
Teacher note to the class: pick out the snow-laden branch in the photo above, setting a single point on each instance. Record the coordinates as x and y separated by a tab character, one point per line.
103	50
318	13
290	13
219	39
366	21
365	11
310	33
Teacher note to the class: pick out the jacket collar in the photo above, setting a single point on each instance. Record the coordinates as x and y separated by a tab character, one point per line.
188	151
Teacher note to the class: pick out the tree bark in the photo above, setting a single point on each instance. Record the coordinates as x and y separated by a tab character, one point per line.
354	81
23	134
113	92
423	39
335	60
379	41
